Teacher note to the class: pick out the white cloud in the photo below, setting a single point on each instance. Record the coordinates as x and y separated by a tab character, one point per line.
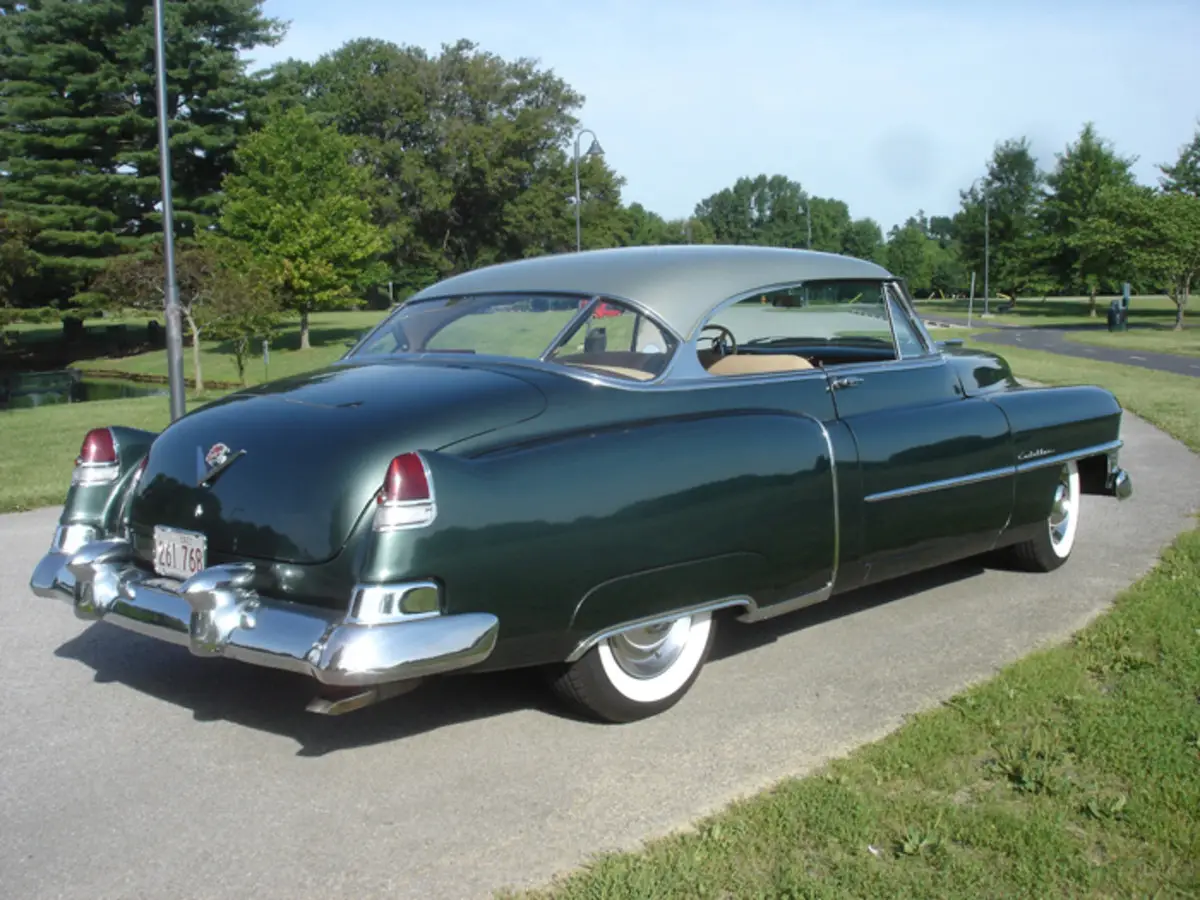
889	106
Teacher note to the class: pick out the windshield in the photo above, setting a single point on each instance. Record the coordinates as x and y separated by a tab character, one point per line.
613	337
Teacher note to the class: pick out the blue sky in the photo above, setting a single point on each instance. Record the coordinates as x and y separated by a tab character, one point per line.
890	106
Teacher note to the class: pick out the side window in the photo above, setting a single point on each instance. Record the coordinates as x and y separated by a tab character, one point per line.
813	324
617	340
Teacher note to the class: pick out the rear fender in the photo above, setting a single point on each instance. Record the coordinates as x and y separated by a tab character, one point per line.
585	531
99	506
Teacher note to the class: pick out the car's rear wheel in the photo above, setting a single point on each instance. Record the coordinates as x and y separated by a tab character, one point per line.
1052	545
639	672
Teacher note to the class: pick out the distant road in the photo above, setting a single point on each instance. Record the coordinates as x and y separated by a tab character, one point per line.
1053	339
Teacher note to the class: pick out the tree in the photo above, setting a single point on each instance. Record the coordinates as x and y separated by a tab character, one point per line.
78	120
16	259
906	256
242	308
1184	175
767	210
1087	167
1149	234
863	239
201	273
1012	188
299	201
473	153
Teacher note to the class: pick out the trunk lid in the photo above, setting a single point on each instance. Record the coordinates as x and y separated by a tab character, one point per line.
316	447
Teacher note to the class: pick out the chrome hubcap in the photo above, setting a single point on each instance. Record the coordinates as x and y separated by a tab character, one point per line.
1060	512
650	650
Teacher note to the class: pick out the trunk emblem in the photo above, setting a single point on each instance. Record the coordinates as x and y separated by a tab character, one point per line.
216	455
218	458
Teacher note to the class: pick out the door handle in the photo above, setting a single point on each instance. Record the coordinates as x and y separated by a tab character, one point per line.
845	381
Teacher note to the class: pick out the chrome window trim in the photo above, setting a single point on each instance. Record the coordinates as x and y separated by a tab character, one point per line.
896	292
683	371
583	312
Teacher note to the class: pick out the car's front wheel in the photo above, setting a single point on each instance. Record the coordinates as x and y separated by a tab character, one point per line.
1052	545
639	672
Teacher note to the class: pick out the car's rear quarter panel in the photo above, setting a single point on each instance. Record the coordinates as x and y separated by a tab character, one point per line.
572	533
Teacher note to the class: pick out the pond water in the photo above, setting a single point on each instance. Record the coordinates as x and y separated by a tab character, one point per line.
23	390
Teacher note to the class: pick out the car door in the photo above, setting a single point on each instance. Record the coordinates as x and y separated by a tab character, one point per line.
935	465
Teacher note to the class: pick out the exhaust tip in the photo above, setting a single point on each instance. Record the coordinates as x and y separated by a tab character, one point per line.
331	701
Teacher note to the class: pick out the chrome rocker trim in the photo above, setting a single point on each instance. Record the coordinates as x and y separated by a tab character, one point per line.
215	613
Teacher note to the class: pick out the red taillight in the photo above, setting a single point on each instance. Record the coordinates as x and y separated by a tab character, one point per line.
405	480
98	447
406	498
97	460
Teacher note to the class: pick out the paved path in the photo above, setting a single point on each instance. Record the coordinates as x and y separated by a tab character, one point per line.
1054	340
129	768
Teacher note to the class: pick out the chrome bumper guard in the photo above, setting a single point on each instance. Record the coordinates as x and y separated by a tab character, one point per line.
1119	484
214	613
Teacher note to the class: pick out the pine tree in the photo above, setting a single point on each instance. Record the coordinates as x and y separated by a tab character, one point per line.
78	126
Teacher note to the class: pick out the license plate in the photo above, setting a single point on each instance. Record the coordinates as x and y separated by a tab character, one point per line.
179	554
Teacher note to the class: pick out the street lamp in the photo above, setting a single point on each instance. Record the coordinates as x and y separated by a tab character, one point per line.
170	289
594	150
987	232
808	218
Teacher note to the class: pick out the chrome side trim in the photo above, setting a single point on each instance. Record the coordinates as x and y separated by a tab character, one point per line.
762	613
990	474
941	484
837	506
659	619
1058	458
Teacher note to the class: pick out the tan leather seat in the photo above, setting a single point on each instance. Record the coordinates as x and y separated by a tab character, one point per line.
750	364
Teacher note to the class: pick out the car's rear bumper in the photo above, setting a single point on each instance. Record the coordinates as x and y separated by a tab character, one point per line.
214	613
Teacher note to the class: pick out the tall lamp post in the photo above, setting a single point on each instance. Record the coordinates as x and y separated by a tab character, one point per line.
170	289
594	150
987	236
808	218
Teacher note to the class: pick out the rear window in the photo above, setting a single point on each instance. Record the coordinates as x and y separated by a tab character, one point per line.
602	335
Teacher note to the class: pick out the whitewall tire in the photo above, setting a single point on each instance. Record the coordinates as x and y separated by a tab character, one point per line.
639	672
1053	543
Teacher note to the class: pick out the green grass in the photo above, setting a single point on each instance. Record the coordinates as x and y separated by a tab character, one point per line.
38	446
1157	310
1156	339
329	334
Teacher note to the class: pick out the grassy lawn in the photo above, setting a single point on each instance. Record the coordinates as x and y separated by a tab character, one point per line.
38	446
1075	772
329	333
1151	310
1156	339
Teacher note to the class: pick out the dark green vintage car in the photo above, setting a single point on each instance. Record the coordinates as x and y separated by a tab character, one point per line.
578	462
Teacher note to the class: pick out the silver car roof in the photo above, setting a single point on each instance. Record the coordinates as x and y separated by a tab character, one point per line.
680	283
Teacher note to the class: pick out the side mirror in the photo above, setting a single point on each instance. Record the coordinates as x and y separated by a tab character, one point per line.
950	342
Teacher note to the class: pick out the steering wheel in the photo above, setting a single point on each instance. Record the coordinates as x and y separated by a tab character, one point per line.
719	341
